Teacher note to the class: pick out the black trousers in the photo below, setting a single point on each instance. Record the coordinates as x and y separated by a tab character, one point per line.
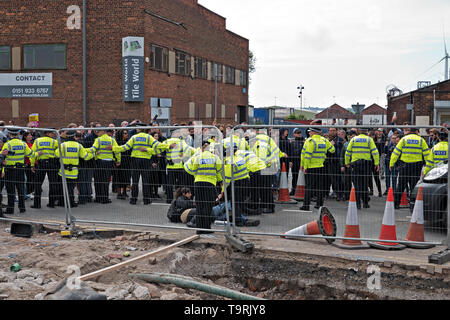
264	187
334	171
253	190
295	170
376	176
15	180
141	168
409	175
240	194
49	168
347	181
175	179
360	177
30	179
205	197
102	177
71	183
315	185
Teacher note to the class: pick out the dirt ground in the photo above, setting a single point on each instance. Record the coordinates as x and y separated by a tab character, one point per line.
46	259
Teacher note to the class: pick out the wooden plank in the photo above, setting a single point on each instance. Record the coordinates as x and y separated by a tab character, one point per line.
119	265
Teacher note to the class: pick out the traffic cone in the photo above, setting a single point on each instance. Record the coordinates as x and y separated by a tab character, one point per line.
388	230
416	229
352	227
300	189
404	201
325	225
283	192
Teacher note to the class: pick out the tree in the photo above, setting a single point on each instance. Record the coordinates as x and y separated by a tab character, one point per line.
251	64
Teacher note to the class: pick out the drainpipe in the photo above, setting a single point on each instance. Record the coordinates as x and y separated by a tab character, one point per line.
84	66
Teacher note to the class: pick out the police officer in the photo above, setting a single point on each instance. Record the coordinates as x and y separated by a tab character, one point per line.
71	152
3	140
254	166
237	170
45	164
206	168
410	153
105	161
312	161
265	148
358	156
143	146
177	151
15	151
439	153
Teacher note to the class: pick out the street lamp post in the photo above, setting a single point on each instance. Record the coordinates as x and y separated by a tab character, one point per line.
301	95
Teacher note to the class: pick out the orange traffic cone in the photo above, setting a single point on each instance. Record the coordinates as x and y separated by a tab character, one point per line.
300	189
325	225
388	230
283	192
352	226
404	201
416	229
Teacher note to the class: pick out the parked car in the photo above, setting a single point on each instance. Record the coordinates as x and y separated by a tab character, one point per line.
435	190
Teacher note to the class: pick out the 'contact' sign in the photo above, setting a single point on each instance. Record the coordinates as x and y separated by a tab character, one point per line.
26	85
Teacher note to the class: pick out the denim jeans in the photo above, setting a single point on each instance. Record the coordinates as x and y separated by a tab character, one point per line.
391	178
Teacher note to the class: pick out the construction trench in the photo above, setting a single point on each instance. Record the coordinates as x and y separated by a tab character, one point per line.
276	269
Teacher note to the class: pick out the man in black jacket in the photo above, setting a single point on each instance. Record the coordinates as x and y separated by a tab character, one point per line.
295	152
86	169
333	166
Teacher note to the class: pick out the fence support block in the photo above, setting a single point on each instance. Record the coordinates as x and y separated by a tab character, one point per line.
441	257
239	243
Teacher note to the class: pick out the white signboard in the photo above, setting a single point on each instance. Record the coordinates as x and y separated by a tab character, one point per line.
26	85
374	119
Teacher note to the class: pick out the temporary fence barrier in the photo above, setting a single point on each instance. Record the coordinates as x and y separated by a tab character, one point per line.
116	188
244	206
36	181
334	183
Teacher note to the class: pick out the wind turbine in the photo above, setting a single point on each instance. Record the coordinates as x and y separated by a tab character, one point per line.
446	58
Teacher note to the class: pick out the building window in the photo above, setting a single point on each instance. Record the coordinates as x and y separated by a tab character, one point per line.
230	74
44	56
5	57
159	58
201	68
182	63
217	71
243	81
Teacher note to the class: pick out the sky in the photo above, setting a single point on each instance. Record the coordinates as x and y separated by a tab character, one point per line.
340	51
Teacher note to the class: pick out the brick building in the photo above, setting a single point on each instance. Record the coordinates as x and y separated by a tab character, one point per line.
374	115
336	112
431	105
184	42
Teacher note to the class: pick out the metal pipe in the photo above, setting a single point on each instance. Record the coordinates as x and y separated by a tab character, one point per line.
84	67
189	283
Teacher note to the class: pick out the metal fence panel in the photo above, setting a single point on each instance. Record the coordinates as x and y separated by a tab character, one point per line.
333	182
119	187
33	182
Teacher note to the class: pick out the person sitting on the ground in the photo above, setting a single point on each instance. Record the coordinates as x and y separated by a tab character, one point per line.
182	208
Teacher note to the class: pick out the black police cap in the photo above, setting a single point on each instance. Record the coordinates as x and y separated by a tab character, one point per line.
13	130
318	130
71	133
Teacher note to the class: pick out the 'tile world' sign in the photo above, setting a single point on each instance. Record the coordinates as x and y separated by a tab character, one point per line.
133	69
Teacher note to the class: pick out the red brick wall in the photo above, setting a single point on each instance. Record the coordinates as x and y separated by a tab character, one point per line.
423	102
33	22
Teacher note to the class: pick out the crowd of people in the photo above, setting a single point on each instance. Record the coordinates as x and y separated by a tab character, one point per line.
194	169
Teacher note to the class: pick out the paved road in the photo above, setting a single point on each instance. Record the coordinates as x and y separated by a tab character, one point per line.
287	216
